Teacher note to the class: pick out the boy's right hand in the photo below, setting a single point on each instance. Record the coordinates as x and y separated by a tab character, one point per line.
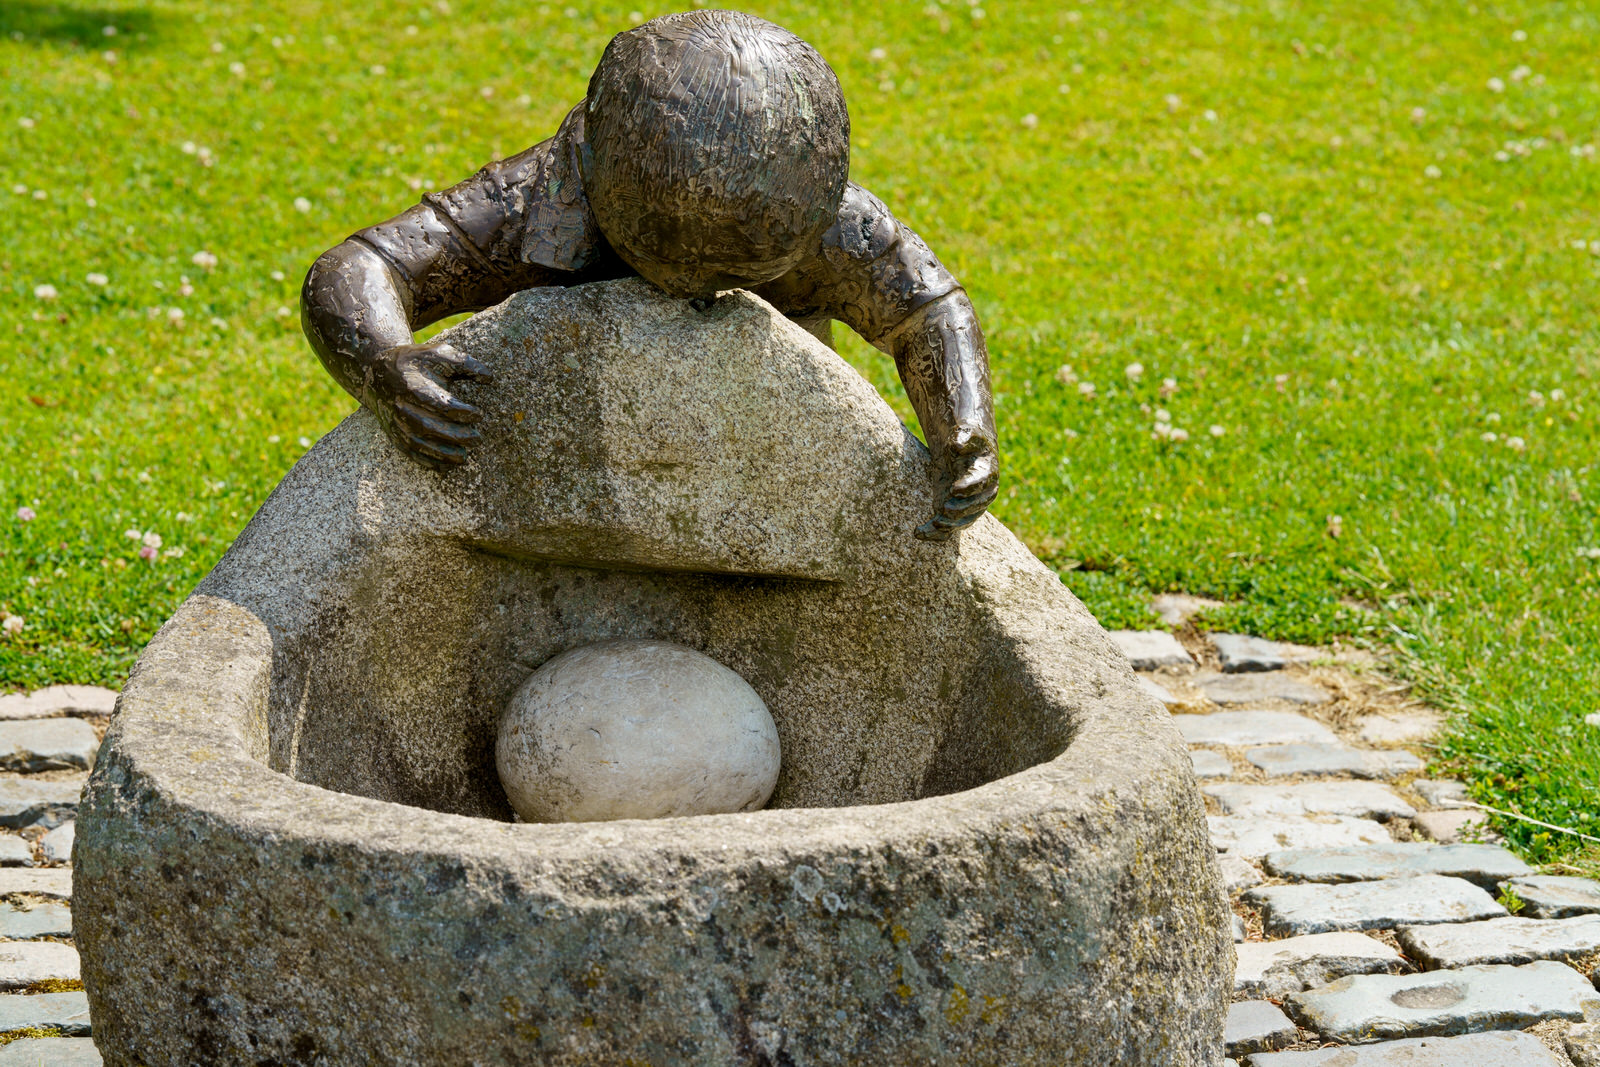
406	393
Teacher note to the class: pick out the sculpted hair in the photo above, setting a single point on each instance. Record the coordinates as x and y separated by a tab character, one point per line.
714	134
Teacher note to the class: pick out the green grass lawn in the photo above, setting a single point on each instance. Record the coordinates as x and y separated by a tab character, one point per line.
1355	250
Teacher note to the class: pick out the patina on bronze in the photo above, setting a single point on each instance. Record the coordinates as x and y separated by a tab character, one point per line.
711	153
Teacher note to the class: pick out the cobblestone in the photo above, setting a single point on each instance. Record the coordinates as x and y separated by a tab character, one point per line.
1150	650
1355	799
25	963
1240	653
1277	968
1258	688
1509	940
1366	1008
47	745
1317	909
1483	865
1473	1050
1255	1026
1332	759
1240	728
1253	838
1547	896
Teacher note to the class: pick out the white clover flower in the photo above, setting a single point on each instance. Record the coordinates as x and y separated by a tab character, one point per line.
1496	85
1161	431
1418	114
1134	371
151	539
1163	415
303	442
273	438
1516	444
204	259
188	148
13	624
377	70
1179	434
26	123
1431	171
301	204
96	278
1174	101
133	534
1520	73
216	47
1086	388
1066	375
183	516
1030	120
276	275
236	68
1488	437
1264	219
1217	431
174	314
1519	35
45	292
1493	416
1210	116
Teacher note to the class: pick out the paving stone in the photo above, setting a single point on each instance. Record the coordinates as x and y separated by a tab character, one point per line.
26	801
1175	609
1374	1007
45	919
1157	690
68	1012
1253	838
1357	799
1239	931
1208	764
1503	1049
1242	728
1484	865
1277	968
1453	826
1513	939
1319	909
1440	792
1583	1045
57	844
1150	650
1241	653
1238	872
1397	729
58	700
1332	759
1255	1026
39	881
22	963
1550	896
14	852
53	1051
1256	688
47	745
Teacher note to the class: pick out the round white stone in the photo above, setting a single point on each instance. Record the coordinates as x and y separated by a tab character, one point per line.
635	730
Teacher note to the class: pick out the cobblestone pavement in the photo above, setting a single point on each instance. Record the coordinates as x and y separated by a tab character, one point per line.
1368	900
1367	903
48	741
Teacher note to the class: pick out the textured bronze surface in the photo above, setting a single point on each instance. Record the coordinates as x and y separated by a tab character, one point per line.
711	153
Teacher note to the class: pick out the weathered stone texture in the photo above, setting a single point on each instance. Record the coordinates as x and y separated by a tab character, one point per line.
986	845
1473	1050
1483	865
1318	909
1277	968
1512	939
1375	1007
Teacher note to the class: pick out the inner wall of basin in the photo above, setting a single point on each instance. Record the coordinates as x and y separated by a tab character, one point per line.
396	693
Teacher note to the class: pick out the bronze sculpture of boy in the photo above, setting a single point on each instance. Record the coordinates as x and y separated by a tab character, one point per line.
711	153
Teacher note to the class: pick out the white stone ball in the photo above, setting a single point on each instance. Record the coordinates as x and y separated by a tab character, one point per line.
635	730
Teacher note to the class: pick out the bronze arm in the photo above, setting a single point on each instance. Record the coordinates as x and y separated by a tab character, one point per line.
940	355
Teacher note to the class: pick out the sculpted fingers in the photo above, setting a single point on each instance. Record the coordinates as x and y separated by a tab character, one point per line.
417	422
451	363
435	398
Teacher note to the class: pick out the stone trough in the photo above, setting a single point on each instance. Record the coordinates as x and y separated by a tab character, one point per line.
985	847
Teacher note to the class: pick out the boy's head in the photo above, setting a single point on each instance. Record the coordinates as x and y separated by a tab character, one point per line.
717	147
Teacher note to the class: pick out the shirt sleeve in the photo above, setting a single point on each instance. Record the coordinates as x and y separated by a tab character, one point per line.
871	272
